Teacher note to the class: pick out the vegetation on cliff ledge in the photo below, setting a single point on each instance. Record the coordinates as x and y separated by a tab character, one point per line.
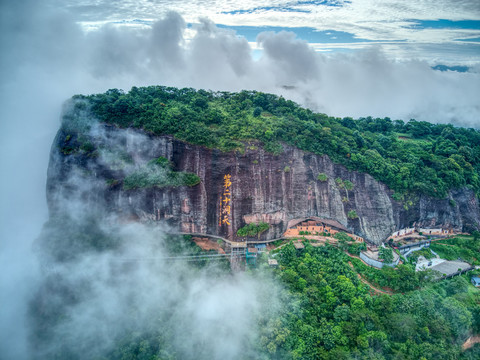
412	157
158	173
253	229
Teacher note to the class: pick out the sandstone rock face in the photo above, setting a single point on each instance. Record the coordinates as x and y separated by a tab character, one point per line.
264	187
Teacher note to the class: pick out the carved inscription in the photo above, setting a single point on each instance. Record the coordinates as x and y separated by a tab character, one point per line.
226	201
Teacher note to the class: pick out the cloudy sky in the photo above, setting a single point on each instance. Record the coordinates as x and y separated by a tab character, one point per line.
441	31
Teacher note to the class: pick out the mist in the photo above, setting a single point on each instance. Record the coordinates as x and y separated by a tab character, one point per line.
110	284
47	57
98	303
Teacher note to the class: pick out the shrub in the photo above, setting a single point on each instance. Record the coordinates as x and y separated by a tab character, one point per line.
352	214
342	236
339	183
162	162
189	179
111	182
322	177
348	185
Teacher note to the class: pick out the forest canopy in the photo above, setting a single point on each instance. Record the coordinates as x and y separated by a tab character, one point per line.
410	157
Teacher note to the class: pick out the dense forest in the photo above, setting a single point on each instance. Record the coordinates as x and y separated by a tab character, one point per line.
337	318
411	157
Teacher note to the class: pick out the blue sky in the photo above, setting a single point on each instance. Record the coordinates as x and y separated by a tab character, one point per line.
309	34
446	24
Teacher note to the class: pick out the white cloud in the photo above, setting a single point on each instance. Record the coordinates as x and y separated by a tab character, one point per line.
388	20
202	314
366	15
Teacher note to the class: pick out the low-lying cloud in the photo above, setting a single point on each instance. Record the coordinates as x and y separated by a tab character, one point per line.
93	305
110	285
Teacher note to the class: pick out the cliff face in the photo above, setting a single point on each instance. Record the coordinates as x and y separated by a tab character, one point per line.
264	187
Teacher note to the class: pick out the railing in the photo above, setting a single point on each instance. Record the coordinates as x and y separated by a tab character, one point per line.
185	257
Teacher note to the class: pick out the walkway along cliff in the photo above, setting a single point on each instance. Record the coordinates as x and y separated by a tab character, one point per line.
235	188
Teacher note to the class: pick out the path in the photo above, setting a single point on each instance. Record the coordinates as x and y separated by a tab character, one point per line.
366	282
233	243
358	258
472	340
190	257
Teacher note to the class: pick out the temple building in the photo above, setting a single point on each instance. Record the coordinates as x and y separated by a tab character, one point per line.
317	227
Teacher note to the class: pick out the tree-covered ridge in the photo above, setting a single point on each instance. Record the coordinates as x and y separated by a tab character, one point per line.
409	157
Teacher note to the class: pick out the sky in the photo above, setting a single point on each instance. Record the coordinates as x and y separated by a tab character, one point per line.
342	58
435	31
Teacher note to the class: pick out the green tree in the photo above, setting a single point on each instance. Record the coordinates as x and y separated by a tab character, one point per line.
343	239
476	235
386	254
458	316
456	285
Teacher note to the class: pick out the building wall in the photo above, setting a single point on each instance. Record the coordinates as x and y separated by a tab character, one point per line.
403	232
424	231
432	231
310	227
314	228
414	247
356	237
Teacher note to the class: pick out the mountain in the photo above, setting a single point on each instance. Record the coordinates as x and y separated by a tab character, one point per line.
167	156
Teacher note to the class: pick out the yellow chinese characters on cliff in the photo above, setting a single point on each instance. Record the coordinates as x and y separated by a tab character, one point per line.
226	201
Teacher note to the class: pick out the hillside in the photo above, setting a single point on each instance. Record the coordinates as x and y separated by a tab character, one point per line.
162	154
413	157
117	284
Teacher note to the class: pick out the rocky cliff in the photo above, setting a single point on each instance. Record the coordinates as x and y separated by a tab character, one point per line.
86	173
